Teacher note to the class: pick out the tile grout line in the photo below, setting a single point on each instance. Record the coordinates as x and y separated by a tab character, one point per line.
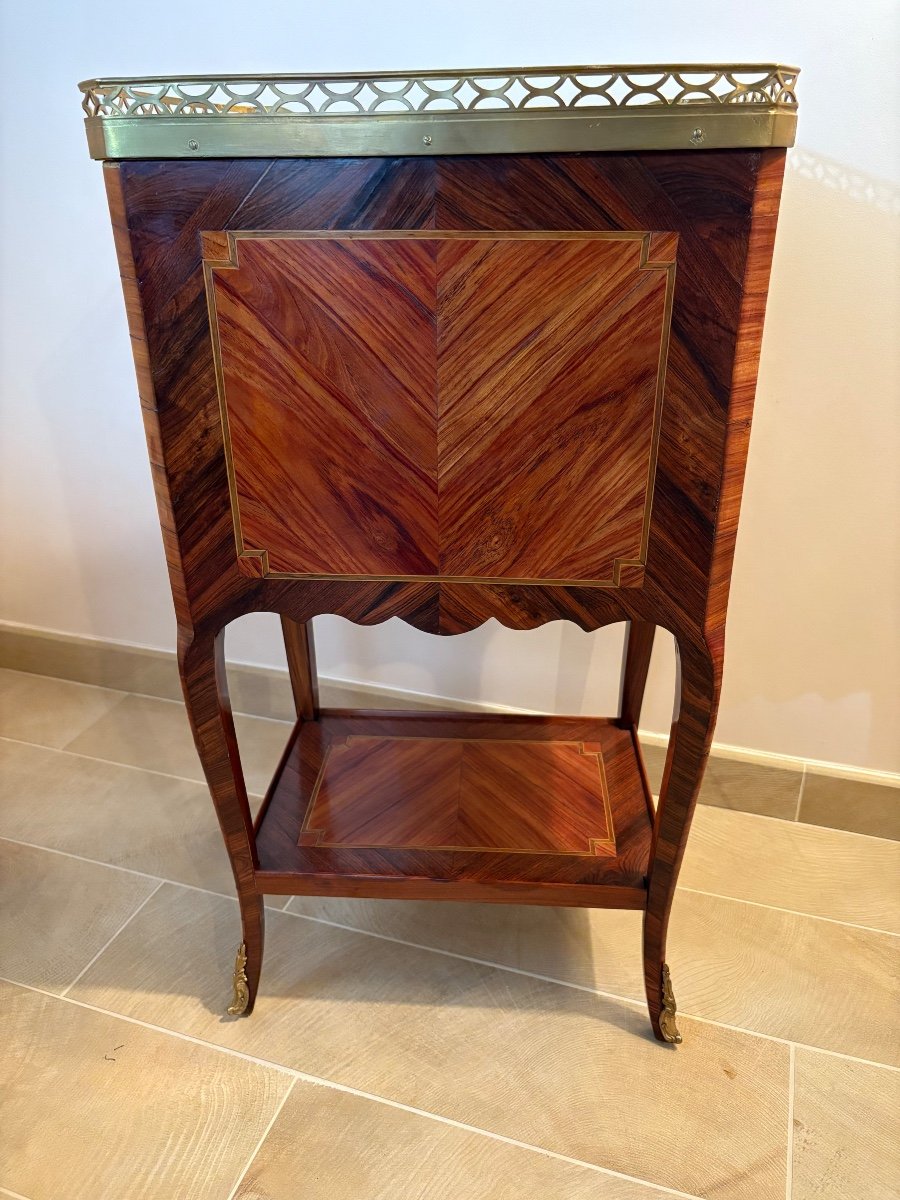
110	941
757	816
108	761
792	912
175	1033
581	987
800	792
179	701
274	721
193	887
123	696
497	1137
333	1085
789	1184
268	1129
482	962
722	751
98	862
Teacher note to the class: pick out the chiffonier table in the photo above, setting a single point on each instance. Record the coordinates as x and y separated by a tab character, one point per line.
449	347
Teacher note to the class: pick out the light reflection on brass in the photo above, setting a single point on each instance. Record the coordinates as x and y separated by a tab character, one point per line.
490	111
241	997
667	1016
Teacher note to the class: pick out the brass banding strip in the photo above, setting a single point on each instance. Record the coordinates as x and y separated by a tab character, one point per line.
493	110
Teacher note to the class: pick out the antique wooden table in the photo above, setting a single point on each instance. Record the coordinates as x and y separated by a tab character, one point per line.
448	347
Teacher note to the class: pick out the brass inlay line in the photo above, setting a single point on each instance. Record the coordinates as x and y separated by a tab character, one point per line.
593	843
232	262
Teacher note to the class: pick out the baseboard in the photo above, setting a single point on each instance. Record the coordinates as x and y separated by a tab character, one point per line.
266	691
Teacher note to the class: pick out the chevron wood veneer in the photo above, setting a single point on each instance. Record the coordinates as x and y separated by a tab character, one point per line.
366	803
443	401
456	794
415	405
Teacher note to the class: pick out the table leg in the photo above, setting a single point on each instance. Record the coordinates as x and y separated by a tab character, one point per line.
699	678
301	659
201	660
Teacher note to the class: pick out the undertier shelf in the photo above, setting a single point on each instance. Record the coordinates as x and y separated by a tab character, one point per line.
456	806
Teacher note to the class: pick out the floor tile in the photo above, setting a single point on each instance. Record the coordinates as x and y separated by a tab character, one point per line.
790	865
93	1108
845	1130
787	975
758	968
727	783
57	912
591	948
115	814
50	712
870	808
154	734
345	1147
552	1066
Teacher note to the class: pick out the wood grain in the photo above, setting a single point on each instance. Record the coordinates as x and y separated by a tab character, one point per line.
327	1135
559	1068
540	813
548	368
329	373
444	406
57	912
301	659
458	794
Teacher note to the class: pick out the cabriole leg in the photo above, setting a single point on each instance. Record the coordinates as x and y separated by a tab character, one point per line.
692	728
201	660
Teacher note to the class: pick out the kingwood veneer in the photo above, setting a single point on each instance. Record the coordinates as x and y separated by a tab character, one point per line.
450	365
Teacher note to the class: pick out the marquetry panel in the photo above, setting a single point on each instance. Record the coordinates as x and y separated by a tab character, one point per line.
544	809
454	794
438	406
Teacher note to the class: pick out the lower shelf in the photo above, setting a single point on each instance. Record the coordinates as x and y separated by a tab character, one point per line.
458	806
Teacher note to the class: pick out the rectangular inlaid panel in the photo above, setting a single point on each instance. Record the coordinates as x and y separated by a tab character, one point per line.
424	405
411	793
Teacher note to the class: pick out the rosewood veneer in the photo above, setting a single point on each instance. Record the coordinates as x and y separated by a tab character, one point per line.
451	347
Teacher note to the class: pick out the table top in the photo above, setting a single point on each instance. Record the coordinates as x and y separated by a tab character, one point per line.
486	111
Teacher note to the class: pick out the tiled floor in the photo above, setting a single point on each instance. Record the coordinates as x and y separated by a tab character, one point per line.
406	1051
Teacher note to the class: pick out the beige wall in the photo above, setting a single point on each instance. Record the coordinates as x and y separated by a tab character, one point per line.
813	657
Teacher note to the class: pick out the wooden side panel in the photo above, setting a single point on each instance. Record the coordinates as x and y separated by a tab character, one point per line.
766	201
702	199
